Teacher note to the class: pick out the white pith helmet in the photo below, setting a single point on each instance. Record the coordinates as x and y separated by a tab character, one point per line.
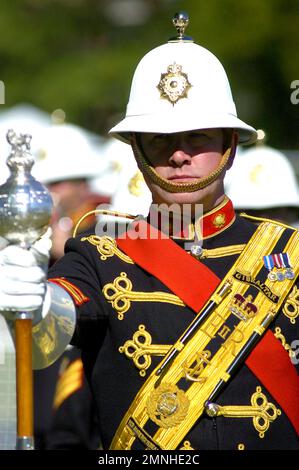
262	178
180	86
66	153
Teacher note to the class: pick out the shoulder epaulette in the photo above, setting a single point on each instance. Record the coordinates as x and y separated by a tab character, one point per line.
263	219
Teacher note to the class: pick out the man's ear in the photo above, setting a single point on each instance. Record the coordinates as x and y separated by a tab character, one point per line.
233	146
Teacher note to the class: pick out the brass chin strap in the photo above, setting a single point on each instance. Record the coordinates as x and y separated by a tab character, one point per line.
147	169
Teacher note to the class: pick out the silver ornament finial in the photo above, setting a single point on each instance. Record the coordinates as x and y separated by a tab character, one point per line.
18	142
180	22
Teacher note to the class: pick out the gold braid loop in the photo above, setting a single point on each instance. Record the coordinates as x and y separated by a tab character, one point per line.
102	212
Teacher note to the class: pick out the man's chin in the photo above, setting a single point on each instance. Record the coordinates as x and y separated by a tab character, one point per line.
179	198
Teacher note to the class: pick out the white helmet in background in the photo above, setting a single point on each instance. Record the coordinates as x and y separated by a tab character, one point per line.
116	155
124	182
262	178
66	153
180	86
24	119
132	195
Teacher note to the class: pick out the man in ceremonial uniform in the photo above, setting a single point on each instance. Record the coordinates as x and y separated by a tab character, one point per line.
187	323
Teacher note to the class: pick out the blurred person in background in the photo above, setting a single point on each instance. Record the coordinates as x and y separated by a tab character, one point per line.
66	163
263	183
131	194
73	420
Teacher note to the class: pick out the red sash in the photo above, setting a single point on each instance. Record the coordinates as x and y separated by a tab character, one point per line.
194	283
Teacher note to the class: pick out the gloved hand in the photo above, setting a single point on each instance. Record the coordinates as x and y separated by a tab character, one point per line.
23	276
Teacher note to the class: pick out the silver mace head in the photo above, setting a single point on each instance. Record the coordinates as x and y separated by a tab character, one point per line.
25	204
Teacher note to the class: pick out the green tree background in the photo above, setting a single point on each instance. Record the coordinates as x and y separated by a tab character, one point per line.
74	55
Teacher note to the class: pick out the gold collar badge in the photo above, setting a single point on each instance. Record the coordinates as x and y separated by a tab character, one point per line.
174	84
219	220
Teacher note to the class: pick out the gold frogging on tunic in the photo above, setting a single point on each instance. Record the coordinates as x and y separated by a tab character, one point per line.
291	306
278	334
262	412
140	349
107	247
186	446
120	294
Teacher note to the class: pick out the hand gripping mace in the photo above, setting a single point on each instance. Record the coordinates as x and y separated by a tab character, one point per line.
25	211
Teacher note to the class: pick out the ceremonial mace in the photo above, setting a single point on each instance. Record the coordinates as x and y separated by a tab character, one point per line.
25	211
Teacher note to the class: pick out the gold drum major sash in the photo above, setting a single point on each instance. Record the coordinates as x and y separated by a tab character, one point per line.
167	406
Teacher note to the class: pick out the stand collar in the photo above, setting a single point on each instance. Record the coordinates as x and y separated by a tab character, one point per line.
180	226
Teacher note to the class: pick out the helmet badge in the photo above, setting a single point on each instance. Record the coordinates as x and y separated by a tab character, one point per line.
174	84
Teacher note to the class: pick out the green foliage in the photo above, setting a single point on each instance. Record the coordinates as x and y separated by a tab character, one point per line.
69	54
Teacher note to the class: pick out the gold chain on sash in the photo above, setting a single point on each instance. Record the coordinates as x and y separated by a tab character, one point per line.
174	401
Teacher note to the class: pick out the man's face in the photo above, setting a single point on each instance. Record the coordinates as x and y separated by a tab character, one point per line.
185	157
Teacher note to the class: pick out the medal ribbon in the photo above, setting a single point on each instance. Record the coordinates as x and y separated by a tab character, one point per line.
286	260
278	260
268	262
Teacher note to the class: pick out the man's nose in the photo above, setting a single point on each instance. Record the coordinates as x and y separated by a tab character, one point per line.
180	153
180	158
